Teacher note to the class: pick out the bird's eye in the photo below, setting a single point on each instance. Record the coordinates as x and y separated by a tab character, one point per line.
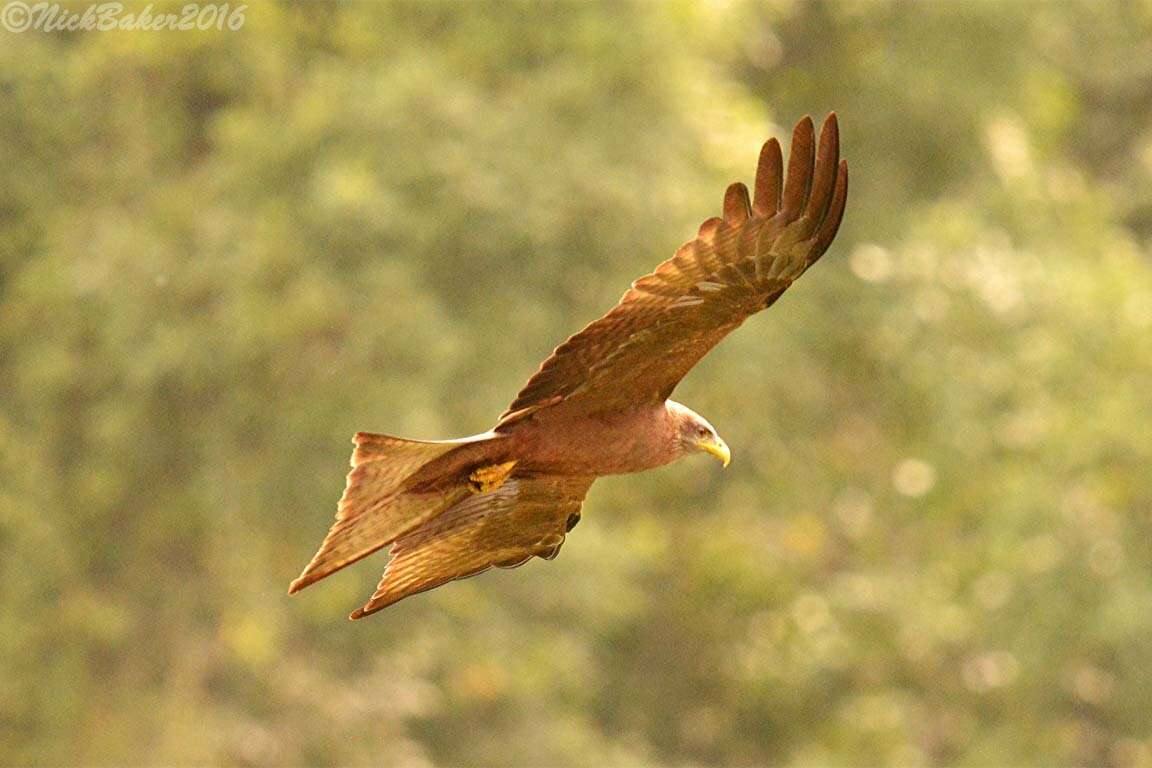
701	432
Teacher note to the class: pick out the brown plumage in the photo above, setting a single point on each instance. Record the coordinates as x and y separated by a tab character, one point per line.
598	405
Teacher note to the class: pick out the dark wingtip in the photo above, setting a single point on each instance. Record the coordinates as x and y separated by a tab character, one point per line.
769	178
831	223
831	125
805	131
801	158
824	174
737	207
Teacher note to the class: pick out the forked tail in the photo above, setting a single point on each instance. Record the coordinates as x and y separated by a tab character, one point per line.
377	507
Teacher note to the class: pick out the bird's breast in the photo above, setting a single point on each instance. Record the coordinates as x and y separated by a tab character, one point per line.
603	444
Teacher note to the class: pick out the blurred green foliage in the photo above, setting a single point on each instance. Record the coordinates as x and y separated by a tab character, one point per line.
223	253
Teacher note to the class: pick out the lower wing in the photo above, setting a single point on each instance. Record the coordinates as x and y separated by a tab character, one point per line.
525	517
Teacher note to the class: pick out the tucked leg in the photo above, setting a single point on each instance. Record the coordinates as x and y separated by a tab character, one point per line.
488	478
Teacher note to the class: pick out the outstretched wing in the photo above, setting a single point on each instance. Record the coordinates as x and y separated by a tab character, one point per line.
525	517
736	266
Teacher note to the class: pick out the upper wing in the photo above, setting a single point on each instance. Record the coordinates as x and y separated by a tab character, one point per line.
736	266
525	517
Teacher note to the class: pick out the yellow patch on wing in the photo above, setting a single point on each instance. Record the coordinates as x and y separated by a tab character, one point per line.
489	478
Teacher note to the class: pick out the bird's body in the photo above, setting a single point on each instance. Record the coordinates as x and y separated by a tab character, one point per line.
599	405
610	443
548	443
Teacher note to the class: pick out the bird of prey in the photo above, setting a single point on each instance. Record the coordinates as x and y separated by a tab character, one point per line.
598	405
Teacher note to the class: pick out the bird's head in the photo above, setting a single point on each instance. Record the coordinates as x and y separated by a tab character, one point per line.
694	433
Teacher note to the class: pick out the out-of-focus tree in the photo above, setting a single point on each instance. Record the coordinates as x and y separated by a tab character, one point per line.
223	253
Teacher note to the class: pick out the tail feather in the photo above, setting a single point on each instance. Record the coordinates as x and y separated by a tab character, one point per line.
375	508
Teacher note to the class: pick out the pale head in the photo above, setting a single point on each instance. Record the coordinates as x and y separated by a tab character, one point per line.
694	433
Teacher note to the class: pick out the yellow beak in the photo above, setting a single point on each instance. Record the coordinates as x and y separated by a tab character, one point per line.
717	448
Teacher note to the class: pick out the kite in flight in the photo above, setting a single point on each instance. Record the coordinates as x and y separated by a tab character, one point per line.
598	405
